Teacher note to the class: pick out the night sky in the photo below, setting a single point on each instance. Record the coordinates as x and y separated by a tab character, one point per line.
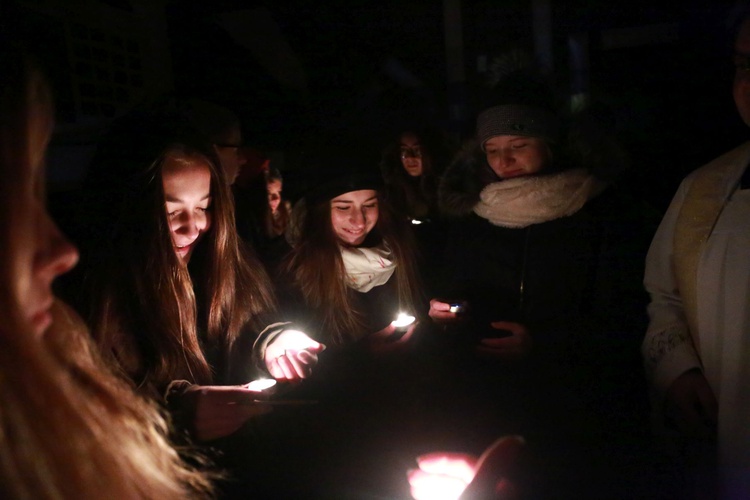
364	68
671	100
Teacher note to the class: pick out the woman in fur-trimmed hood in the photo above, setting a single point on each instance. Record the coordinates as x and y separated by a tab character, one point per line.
575	147
541	279
534	209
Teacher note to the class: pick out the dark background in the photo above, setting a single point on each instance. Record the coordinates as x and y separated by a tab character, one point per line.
369	66
671	98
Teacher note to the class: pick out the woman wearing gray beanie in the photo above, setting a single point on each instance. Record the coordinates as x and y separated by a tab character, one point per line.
540	280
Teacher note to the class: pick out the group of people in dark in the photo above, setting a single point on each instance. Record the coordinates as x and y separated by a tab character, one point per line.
438	322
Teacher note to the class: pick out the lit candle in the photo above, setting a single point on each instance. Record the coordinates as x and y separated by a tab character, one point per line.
456	307
261	384
403	322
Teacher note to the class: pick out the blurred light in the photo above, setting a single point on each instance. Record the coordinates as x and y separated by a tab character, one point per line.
261	384
437	487
403	321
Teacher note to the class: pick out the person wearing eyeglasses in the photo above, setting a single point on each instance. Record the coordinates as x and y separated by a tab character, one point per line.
221	127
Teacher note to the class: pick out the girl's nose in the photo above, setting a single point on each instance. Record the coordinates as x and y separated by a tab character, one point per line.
59	256
189	225
358	218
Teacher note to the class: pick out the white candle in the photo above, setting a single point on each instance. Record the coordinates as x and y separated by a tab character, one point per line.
261	384
403	322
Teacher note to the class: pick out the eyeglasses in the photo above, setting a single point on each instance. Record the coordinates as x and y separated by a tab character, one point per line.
411	153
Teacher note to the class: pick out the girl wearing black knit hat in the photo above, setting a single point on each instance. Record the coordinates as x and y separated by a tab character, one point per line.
349	276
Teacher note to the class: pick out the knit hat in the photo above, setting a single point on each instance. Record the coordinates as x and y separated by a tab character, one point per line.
519	104
516	119
337	167
335	183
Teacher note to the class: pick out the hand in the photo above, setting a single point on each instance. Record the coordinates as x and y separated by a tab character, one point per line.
511	348
459	475
292	355
440	312
691	405
222	410
387	340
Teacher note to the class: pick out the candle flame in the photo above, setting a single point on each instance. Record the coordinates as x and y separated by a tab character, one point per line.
261	384
403	319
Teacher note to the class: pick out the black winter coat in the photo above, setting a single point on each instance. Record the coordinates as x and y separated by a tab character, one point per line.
565	279
575	282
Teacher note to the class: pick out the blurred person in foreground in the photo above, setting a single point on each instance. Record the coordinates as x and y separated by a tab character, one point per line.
68	427
445	475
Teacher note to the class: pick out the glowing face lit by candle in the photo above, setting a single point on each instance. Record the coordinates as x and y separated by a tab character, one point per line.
353	215
187	194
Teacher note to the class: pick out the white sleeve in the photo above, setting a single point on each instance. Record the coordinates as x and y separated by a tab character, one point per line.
667	348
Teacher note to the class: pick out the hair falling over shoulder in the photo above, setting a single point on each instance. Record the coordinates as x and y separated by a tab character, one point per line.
69	428
150	310
317	270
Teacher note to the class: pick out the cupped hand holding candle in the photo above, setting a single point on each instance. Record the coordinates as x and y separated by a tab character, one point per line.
402	322
453	476
394	337
222	410
441	476
261	384
292	355
445	311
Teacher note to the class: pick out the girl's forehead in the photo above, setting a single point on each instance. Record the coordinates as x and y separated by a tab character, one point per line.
409	138
352	196
179	164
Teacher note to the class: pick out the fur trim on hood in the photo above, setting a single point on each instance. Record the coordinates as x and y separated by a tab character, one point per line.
463	180
587	144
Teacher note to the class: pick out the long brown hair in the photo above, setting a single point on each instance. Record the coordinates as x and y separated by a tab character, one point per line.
409	196
275	224
69	428
156	315
317	269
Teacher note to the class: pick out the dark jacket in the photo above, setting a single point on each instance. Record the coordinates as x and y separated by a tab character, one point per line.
334	448
575	283
561	278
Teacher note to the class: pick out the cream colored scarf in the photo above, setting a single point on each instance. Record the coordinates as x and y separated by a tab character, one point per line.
367	268
523	201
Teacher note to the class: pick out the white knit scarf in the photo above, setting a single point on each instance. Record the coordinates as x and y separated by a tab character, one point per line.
522	201
367	268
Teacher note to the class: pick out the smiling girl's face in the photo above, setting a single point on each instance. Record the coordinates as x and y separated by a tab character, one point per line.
187	196
516	155
353	215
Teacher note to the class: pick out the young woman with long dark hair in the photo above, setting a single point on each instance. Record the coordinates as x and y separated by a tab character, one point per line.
175	300
351	272
353	261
